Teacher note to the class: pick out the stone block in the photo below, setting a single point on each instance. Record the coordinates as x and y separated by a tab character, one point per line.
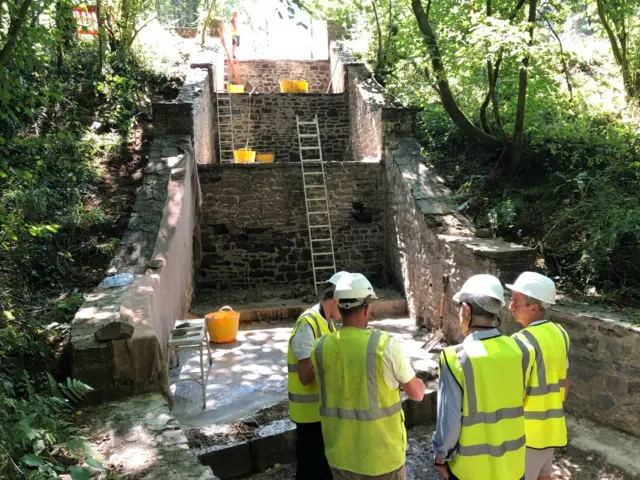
616	384
114	331
602	401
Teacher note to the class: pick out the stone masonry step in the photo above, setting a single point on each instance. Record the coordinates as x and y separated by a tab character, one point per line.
139	438
390	303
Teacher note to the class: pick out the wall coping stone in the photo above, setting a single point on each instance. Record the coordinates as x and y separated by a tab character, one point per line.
494	248
611	320
428	189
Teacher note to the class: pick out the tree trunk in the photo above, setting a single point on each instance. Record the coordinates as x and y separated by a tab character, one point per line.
446	96
518	129
619	50
14	31
101	39
207	21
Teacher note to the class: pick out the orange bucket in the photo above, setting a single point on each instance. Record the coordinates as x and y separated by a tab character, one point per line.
288	86
264	157
244	155
223	325
301	86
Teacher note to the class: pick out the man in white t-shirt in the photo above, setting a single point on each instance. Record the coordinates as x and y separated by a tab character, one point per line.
360	404
304	407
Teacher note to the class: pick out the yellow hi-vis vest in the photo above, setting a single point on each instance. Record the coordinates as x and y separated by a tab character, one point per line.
304	399
545	422
492	374
362	418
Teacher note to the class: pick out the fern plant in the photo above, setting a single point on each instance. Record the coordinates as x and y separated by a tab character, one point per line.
36	430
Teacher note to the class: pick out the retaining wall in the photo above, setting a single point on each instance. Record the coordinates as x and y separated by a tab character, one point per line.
254	228
265	75
192	113
273	123
158	247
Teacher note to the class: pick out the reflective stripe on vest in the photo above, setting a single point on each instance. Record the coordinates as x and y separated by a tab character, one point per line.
492	438
304	399
362	417
544	414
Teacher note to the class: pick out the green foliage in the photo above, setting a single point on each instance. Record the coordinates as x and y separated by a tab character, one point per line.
37	437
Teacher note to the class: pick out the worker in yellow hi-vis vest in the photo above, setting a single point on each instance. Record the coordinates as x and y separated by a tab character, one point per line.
304	407
480	433
543	405
359	372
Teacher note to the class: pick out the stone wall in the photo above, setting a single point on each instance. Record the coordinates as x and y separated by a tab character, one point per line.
426	239
191	113
273	123
604	364
373	118
265	75
159	247
254	228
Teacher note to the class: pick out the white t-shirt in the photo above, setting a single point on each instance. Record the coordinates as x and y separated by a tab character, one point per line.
396	367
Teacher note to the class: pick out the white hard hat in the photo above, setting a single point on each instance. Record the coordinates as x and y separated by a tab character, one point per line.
353	286
337	276
483	285
536	286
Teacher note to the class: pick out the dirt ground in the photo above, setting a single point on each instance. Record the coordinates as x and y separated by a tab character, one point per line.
569	463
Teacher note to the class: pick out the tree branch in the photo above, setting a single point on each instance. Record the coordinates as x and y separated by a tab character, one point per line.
619	50
563	56
137	31
446	96
379	30
518	128
492	77
612	37
14	31
493	94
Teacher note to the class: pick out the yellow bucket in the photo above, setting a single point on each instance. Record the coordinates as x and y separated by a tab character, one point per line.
264	157
302	86
244	155
223	325
288	86
235	88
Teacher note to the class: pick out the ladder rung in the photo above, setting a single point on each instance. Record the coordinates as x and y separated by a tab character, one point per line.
313	173
321	240
314	186
318	213
316	199
307	123
323	268
308	135
321	254
319	226
309	148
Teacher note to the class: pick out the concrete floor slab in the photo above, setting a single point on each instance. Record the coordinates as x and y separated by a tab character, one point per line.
251	374
618	449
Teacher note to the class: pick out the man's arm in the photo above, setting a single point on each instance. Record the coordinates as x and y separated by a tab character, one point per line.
414	389
449	413
305	371
403	373
301	344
